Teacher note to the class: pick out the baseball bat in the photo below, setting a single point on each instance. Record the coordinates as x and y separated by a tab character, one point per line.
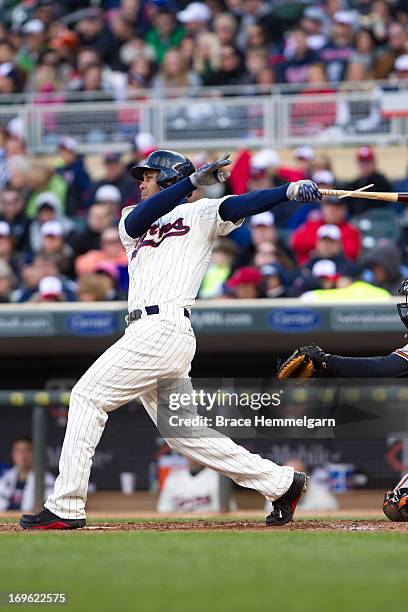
368	195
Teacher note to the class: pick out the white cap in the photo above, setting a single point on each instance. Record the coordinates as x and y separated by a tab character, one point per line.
265	218
33	26
345	17
4	228
329	231
66	142
324	267
401	63
50	286
323	177
144	141
108	193
48	197
265	158
6	68
15	127
196	11
52	228
305	152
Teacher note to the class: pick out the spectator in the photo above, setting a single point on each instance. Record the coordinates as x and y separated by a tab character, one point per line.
92	288
165	33
17	490
245	283
50	289
231	70
34	44
397	45
218	269
111	251
365	52
100	217
332	212
12	212
174	74
195	18
339	50
94	33
313	24
274	280
47	208
225	27
116	175
368	173
7	282
75	174
32	271
304	157
384	263
40	179
7	251
53	244
299	59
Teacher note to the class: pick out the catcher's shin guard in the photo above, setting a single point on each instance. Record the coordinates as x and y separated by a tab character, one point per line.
284	507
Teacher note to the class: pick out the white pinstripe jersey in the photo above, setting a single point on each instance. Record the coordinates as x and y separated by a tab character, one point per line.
168	262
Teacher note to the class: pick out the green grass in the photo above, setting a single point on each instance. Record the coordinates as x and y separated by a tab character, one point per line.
208	572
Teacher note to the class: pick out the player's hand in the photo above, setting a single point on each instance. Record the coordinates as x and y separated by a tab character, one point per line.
303	191
212	173
316	354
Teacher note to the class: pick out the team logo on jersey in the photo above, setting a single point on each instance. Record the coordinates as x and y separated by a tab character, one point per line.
155	235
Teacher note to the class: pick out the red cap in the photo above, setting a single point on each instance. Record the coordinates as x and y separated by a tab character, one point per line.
365	154
245	276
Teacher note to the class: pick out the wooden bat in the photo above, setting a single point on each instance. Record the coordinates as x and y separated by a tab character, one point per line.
368	195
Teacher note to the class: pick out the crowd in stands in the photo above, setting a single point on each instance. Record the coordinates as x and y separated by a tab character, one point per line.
123	47
59	239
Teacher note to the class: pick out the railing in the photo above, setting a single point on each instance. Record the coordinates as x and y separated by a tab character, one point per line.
369	116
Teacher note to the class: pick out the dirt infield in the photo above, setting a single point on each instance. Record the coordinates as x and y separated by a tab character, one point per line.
220	525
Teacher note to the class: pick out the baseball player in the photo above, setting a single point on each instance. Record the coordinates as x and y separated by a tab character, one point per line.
168	242
394	365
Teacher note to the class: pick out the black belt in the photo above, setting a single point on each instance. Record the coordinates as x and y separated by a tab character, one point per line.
135	315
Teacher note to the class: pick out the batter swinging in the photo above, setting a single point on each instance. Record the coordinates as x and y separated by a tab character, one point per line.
168	242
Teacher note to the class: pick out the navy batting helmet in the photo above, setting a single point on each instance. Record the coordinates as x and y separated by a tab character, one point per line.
172	166
403	307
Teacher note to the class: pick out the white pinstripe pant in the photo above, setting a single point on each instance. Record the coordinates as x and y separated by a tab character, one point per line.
154	347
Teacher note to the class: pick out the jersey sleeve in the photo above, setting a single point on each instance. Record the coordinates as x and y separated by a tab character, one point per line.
127	241
210	220
402	352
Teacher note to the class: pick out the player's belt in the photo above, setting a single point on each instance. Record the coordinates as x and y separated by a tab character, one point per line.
135	315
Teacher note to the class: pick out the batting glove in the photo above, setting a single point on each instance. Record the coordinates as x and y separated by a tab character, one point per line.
303	191
211	173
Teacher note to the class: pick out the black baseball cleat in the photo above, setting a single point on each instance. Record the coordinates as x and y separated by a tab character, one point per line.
47	520
284	507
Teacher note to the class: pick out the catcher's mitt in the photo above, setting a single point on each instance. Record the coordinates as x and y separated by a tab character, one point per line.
298	365
395	506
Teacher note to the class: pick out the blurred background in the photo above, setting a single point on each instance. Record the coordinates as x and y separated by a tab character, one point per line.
294	90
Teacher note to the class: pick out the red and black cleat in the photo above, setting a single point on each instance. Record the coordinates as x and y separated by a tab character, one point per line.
47	520
284	507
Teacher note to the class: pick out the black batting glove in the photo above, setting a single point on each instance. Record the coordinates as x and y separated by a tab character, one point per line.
303	191
212	173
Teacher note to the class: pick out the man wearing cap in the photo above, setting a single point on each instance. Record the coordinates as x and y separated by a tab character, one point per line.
47	208
244	284
274	281
262	228
367	173
52	243
73	170
100	216
339	50
329	246
332	212
116	174
195	18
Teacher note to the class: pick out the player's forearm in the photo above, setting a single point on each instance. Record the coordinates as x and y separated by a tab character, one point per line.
260	200
141	218
390	366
